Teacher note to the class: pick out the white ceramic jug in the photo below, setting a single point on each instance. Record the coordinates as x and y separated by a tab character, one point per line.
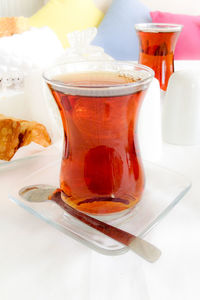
181	109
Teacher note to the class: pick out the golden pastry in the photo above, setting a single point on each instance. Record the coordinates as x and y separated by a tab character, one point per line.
34	132
9	137
15	133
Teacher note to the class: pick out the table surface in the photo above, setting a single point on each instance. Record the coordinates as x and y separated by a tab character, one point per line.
39	263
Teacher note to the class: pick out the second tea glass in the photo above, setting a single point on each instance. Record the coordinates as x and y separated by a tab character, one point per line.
157	45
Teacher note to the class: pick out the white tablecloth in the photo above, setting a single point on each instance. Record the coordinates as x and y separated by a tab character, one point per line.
37	262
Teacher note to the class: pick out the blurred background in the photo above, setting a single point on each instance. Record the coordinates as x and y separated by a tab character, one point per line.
27	8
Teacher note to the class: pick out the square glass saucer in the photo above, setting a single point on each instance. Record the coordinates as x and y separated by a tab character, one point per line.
163	190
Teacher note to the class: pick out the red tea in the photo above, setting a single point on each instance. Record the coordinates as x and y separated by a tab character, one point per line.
101	171
157	52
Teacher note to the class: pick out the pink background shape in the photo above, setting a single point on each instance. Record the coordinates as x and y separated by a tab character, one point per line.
188	44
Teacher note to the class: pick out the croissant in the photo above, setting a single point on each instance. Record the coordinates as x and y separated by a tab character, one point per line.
15	133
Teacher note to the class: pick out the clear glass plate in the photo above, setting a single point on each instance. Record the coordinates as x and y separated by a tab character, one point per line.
164	189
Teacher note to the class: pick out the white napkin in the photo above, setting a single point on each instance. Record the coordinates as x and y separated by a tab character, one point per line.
31	49
13	103
36	149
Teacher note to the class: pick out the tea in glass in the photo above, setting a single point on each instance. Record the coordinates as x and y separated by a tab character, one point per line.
101	170
157	45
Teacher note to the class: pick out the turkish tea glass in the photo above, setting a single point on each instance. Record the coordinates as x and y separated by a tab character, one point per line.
101	170
157	45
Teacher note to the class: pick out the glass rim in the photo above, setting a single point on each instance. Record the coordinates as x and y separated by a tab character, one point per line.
100	90
158	27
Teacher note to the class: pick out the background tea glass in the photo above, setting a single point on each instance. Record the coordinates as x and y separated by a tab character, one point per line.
157	45
101	170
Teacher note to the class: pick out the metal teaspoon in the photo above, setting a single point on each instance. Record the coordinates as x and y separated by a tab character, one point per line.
42	192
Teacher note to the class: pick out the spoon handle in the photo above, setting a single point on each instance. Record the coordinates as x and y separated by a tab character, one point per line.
141	247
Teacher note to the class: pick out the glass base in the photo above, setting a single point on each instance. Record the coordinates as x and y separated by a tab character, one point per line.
114	218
